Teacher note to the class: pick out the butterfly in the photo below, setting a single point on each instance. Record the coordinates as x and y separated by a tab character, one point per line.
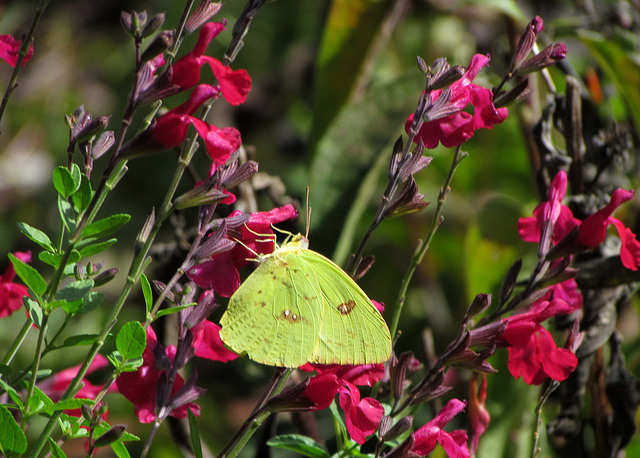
299	307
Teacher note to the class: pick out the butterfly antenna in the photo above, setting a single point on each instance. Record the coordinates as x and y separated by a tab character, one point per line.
267	236
306	234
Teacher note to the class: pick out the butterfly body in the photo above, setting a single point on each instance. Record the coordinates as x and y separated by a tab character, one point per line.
299	307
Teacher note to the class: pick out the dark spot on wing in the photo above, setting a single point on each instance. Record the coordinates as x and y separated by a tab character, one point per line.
346	307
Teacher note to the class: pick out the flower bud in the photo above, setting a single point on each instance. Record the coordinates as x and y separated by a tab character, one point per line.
105	277
114	434
205	10
547	57
154	24
392	432
162	42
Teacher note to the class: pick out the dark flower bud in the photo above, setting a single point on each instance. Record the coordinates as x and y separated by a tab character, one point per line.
398	373
162	394
440	108
547	57
396	158
447	77
564	275
424	392
240	175
409	200
162	42
216	243
510	281
102	409
422	65
161	288
160	359
205	306
414	163
479	304
188	393
139	19
79	272
205	194
185	350
487	335
153	24
127	23
145	232
363	267
113	435
403	450
104	142
205	10
105	277
515	94
392	432
87	413
292	400
527	40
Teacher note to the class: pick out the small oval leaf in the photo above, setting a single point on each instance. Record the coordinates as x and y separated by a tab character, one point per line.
131	340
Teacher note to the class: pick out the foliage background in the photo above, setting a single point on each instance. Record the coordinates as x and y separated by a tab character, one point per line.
306	125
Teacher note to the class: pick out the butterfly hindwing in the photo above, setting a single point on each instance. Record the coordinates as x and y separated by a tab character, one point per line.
299	307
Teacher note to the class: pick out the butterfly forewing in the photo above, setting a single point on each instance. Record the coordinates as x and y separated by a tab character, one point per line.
352	331
300	307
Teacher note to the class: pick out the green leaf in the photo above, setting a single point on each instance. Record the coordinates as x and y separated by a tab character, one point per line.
79	340
115	359
194	432
91	301
71	308
37	236
67	404
76	174
30	276
97	248
300	444
12	439
67	214
34	309
146	292
64	182
75	291
175	309
13	394
131	340
54	259
82	197
132	365
106	226
39	401
119	449
56	452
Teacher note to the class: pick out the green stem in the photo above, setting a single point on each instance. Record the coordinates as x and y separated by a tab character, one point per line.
24	49
17	343
423	246
257	417
36	367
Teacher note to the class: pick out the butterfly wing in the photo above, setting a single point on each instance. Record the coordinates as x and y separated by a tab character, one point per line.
274	316
352	330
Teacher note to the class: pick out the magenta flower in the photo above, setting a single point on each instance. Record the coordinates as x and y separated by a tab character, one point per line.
170	129
454	443
361	374
362	416
553	210
591	232
234	85
141	387
479	417
459	127
11	294
55	386
220	273
532	352
9	49
208	344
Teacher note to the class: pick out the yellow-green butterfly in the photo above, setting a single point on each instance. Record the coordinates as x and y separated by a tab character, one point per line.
299	307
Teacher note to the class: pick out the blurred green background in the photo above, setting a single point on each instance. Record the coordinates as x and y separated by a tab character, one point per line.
333	83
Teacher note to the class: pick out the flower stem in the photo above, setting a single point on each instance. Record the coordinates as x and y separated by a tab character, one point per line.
423	246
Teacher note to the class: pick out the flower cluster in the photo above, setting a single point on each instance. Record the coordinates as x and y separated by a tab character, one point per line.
9	49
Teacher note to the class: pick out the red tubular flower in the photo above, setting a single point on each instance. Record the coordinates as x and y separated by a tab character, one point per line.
208	344
479	417
140	387
532	352
591	232
55	386
362	374
11	294
9	49
234	85
362	416
170	129
459	127
220	273
454	443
